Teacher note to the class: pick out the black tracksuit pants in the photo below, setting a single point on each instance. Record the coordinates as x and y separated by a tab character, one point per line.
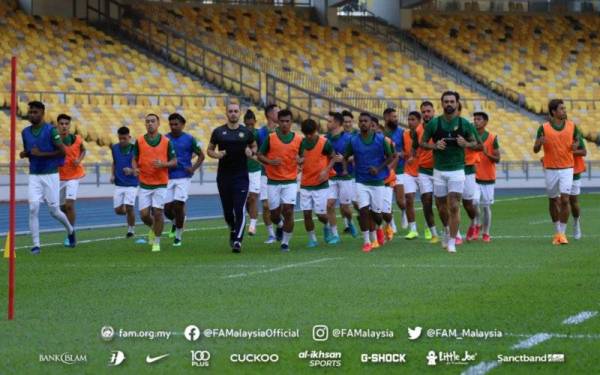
233	190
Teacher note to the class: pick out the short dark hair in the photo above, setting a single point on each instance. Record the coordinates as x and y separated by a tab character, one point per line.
365	114
284	113
123	130
416	114
308	126
269	108
553	105
453	93
177	117
345	113
426	103
37	105
153	114
249	115
482	114
63	116
389	110
337	117
375	119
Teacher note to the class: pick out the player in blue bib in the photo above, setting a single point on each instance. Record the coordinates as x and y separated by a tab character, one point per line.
126	183
396	133
180	177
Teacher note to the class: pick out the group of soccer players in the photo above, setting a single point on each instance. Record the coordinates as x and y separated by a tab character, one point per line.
448	159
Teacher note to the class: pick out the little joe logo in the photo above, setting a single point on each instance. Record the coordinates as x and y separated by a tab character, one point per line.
450	358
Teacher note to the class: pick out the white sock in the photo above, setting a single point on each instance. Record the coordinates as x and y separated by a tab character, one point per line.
487	219
286	238
270	230
312	236
576	221
412	226
60	216
131	229
451	242
433	231
557	226
373	236
178	233
252	223
393	225
334	230
563	228
157	240
366	237
447	231
280	225
458	234
347	222
34	222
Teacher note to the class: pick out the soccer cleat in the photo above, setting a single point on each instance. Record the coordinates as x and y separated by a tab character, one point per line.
412	235
156	248
451	249
353	230
66	242
72	240
326	234
312	244
375	245
477	232
237	247
172	232
367	247
434	240
380	236
251	230
556	239
486	238
334	240
389	233
285	248
129	235
459	241
563	239
427	234
576	232
36	250
470	233
270	240
177	242
151	236
231	238
279	233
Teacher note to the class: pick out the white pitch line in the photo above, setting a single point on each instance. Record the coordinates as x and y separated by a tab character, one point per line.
481	368
580	318
276	269
532	341
594	336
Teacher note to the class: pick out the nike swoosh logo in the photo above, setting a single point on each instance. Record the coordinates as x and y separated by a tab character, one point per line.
154	359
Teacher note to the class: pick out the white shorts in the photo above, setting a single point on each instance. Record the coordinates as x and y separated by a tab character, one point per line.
400	179
254	179
558	181
355	194
342	191
485	194
470	189
445	182
44	188
576	187
178	189
124	195
367	195
264	188
68	190
315	200
410	184
282	194
425	182
154	198
388	199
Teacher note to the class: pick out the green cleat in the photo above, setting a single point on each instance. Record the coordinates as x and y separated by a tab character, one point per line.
427	234
177	243
156	248
412	235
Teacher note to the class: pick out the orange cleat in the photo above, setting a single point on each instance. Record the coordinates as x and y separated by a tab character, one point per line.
556	239
389	233
563	239
375	245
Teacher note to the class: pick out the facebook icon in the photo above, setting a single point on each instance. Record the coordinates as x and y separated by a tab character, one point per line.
191	333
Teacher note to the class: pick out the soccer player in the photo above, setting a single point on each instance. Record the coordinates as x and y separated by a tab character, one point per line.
44	149
485	174
279	155
425	179
578	168
411	173
180	177
389	228
472	157
451	134
72	170
372	156
254	177
236	143
341	187
126	183
153	156
348	122
396	134
559	138
262	134
317	157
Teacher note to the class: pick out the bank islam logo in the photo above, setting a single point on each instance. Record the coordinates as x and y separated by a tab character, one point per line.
414	333
320	332
450	358
107	333
116	358
200	358
191	333
65	358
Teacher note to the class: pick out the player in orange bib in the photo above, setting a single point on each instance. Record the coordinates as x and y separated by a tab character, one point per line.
411	174
578	169
153	156
72	171
559	138
485	174
279	155
317	158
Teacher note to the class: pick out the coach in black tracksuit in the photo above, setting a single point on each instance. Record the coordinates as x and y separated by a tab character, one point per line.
235	143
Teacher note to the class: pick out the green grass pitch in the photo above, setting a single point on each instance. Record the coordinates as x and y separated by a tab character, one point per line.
519	284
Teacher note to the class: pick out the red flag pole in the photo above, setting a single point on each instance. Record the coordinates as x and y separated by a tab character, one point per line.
11	215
